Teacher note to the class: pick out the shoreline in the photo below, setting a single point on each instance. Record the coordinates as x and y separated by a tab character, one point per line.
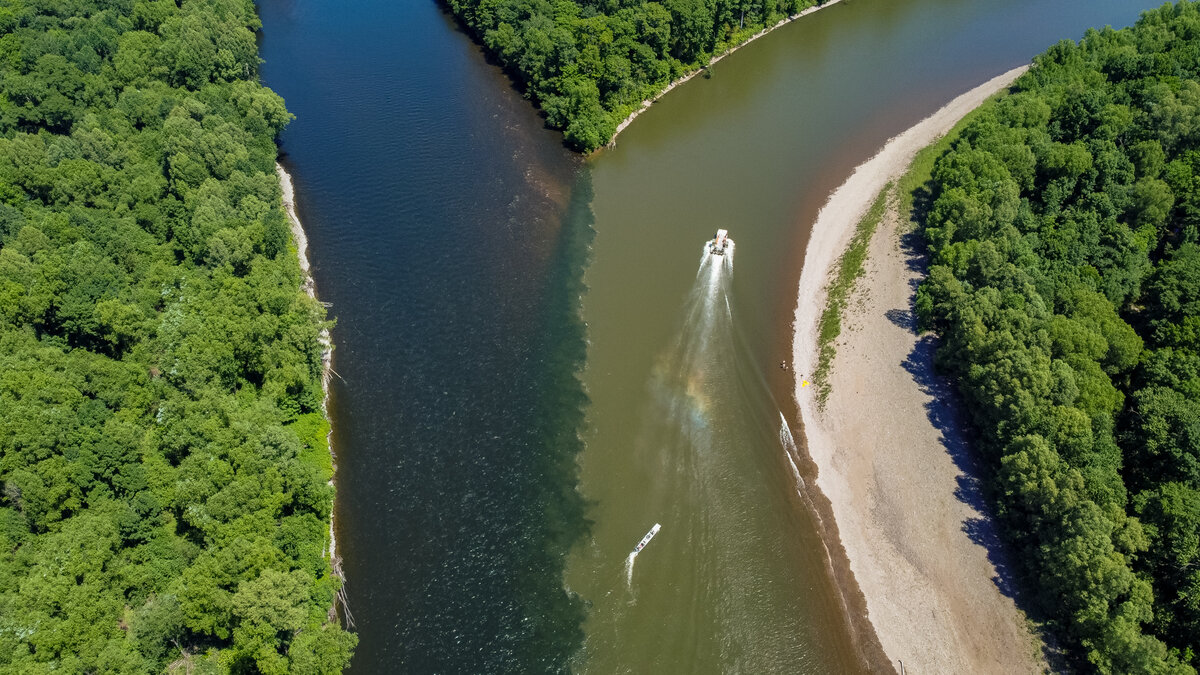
846	206
927	605
612	142
309	286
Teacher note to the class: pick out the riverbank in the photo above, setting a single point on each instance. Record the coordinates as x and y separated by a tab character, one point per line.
887	446
301	240
675	83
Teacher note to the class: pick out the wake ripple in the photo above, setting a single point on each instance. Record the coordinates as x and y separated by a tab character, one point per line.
789	450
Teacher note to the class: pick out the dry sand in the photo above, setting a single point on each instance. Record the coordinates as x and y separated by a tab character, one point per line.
888	447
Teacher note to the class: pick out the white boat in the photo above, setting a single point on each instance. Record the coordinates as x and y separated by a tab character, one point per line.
719	243
646	539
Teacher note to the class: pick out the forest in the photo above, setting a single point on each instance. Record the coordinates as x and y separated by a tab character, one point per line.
1064	235
166	478
590	63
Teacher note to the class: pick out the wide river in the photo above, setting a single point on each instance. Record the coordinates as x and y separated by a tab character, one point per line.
535	361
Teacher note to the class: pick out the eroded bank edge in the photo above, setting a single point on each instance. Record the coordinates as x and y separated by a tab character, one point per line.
300	239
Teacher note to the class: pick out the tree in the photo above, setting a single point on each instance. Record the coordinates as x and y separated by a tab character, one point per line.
1064	284
155	346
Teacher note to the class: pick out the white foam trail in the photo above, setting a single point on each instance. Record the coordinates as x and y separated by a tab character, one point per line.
789	449
725	259
629	569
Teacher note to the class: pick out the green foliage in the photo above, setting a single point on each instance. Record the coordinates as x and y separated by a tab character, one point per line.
164	493
1062	223
590	64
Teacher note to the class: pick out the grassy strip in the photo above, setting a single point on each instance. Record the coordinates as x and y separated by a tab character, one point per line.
849	269
911	186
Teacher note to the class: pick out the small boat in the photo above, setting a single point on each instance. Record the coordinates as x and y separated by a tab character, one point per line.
719	243
646	539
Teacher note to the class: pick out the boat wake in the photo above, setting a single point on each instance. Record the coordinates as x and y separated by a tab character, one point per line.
790	451
710	434
725	259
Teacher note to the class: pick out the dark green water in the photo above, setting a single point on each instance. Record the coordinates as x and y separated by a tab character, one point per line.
434	202
453	237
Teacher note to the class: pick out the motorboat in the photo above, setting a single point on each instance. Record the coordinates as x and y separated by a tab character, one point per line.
719	243
646	539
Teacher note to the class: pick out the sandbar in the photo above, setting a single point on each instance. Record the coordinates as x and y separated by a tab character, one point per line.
889	447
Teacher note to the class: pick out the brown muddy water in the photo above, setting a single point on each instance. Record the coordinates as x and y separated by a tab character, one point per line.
690	411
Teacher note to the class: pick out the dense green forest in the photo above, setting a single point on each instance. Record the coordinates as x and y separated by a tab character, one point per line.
166	497
590	63
1064	232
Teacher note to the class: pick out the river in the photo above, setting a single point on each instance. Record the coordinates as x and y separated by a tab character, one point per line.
536	363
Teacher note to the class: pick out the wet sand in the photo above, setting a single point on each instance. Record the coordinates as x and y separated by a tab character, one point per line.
888	446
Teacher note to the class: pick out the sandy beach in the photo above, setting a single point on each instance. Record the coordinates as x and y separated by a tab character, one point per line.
888	445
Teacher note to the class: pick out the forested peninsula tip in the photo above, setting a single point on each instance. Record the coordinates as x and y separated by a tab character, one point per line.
164	468
589	64
1064	232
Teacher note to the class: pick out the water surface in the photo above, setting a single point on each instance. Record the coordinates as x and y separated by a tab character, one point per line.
684	426
451	233
434	201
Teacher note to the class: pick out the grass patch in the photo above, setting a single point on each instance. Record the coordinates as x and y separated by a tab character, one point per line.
313	430
848	270
914	195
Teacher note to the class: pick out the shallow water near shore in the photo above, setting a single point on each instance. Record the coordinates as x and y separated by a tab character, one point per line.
461	249
434	202
684	424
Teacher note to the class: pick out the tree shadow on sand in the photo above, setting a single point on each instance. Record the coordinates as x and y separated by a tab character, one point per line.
944	412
